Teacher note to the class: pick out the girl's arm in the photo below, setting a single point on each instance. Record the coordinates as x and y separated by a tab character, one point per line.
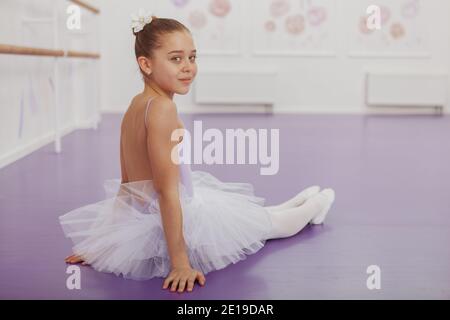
162	120
122	165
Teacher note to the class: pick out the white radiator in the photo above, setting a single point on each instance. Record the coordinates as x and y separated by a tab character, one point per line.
406	89
240	86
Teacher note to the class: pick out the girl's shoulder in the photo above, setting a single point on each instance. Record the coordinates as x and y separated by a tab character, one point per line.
161	109
155	111
162	102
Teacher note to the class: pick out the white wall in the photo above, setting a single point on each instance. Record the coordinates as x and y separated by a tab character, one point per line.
306	84
26	93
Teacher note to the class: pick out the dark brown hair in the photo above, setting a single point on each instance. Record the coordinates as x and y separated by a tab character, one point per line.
149	38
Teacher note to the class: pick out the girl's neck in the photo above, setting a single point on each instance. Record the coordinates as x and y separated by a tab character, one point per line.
153	90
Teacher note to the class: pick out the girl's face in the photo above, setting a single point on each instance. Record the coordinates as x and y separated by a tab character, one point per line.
174	67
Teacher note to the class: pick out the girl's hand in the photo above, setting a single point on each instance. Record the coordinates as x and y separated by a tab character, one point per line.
74	259
180	277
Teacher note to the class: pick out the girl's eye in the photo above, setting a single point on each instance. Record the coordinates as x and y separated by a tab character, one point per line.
192	58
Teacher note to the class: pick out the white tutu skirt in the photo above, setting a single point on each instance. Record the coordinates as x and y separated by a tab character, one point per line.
222	223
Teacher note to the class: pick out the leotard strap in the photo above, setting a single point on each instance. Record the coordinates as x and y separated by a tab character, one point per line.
146	110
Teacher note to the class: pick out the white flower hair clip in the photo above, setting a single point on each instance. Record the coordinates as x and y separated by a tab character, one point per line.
139	20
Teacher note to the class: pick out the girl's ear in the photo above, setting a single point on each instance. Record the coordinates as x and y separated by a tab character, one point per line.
145	64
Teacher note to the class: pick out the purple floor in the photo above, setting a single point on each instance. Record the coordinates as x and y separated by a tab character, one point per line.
391	175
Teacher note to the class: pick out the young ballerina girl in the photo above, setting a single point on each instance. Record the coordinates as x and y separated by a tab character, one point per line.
161	219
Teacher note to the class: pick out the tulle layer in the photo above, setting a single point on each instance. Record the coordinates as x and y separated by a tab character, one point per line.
222	223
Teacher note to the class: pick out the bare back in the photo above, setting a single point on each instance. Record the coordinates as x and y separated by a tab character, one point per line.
134	159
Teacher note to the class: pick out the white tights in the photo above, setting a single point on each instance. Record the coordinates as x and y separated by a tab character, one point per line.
293	215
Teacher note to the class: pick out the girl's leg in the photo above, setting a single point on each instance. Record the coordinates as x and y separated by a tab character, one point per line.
290	221
296	201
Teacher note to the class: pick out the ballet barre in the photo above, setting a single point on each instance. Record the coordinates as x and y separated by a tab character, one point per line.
80	54
11	49
57	54
86	6
19	50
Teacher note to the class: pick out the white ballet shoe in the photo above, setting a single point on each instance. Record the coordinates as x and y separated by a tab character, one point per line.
297	201
306	194
330	196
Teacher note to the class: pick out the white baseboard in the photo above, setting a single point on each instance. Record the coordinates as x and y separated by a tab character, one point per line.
40	142
291	109
89	123
114	110
330	110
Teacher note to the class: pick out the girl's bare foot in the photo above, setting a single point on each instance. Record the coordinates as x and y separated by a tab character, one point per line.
74	259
